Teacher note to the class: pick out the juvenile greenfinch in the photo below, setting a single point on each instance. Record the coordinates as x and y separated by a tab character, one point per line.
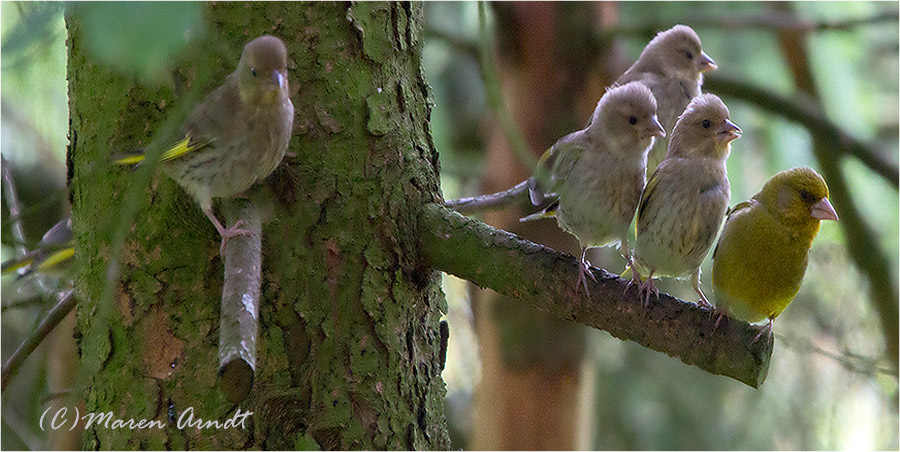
597	173
761	257
684	202
672	66
238	134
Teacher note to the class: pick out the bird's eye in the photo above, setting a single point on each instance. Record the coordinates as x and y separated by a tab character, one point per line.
807	196
632	120
705	123
253	71
689	55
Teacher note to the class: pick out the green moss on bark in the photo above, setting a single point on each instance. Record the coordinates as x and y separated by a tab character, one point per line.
349	336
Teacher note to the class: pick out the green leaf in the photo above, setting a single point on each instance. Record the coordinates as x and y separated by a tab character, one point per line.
142	38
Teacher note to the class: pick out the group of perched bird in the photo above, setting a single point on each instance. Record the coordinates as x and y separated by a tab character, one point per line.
594	183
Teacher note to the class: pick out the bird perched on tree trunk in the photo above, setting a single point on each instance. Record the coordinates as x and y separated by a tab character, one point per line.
685	199
237	135
672	66
598	172
761	257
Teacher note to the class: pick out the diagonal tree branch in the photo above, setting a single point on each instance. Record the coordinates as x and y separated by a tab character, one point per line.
545	280
803	109
63	307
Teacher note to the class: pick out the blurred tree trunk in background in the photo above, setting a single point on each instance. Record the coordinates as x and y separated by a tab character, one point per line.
533	394
349	338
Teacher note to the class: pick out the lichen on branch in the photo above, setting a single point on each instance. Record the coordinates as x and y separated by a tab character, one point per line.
545	280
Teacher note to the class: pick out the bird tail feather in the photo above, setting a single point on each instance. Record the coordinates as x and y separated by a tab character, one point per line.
547	213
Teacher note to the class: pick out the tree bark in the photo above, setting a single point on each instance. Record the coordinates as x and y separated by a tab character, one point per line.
349	340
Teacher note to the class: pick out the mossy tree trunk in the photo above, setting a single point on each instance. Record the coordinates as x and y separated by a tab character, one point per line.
349	321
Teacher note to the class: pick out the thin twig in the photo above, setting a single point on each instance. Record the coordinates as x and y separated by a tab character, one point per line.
493	201
37	300
494	95
771	20
36	208
56	395
859	364
12	202
12	366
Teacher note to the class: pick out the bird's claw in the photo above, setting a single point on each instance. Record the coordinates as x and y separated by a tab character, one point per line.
645	290
234	231
634	281
719	317
766	329
582	280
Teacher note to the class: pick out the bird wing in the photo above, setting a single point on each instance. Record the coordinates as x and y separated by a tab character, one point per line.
737	208
554	166
186	145
205	122
646	194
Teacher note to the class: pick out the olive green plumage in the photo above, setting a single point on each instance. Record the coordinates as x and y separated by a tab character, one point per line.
761	256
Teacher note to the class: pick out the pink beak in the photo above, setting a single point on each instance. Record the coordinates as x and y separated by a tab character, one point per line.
728	132
707	63
823	210
655	129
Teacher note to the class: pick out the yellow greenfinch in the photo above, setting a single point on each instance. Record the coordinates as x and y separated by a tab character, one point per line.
761	257
671	66
598	172
238	134
684	202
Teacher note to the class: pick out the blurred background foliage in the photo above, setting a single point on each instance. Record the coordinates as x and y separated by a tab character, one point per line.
830	384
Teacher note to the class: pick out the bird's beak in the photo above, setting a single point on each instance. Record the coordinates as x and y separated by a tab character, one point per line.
706	63
279	80
728	131
823	210
655	129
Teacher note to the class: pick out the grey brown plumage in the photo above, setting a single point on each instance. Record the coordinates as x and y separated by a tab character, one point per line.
685	199
238	134
596	174
672	66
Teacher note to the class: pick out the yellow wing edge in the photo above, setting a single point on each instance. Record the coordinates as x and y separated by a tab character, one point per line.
179	149
56	258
